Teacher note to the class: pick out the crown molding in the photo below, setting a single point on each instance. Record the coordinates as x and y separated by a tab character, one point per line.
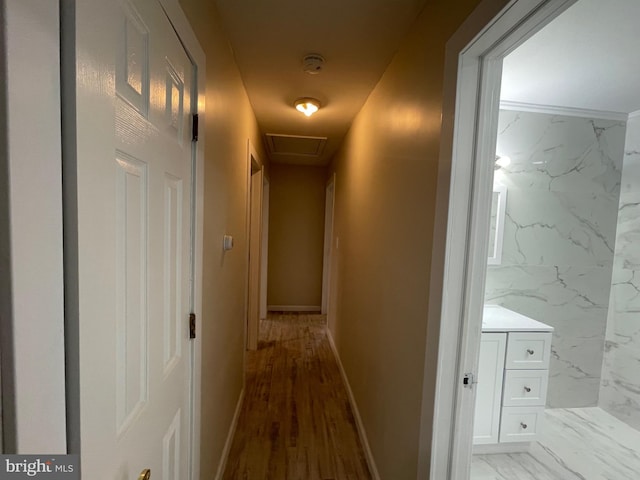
569	111
635	114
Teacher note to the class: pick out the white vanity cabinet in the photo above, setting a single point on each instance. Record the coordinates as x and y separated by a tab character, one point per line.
486	425
513	374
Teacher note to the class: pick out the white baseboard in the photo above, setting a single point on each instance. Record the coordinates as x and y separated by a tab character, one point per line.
520	447
232	431
373	469
293	308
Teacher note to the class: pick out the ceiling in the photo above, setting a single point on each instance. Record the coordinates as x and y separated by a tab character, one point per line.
357	38
588	57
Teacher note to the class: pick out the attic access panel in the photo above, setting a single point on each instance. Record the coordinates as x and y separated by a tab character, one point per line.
295	145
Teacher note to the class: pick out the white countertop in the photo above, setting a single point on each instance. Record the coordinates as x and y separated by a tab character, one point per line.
499	319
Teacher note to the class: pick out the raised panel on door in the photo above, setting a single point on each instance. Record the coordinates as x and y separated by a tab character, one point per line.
173	271
486	424
134	228
131	289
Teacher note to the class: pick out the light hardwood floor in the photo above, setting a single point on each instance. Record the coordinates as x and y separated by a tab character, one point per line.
296	422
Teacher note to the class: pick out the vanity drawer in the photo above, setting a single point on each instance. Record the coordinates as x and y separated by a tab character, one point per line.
525	388
520	424
528	350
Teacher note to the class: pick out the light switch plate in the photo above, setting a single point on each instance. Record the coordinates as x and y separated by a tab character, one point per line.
227	242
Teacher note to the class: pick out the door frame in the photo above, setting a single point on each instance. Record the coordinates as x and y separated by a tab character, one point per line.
31	231
198	105
329	210
264	250
252	289
473	68
191	45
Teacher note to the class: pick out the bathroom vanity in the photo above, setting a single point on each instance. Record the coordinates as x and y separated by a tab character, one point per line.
513	373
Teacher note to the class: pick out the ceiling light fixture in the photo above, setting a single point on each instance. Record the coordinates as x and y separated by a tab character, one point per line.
502	161
308	106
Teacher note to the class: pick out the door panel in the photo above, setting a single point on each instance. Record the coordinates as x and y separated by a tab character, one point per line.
134	238
173	268
131	288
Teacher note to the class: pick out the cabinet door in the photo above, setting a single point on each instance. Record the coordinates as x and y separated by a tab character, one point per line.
486	425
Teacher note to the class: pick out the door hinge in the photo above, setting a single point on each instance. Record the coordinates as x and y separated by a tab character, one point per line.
469	380
192	325
194	128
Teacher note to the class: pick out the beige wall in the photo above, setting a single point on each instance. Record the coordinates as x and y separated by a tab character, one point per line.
296	235
229	122
385	199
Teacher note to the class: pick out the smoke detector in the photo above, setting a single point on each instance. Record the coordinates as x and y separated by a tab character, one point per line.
313	63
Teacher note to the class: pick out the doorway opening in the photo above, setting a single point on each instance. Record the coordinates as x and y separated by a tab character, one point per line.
256	183
490	129
328	244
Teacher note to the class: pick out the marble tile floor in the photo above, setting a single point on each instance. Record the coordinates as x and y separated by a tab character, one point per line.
577	444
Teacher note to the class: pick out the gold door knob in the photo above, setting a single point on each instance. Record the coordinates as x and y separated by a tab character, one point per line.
145	474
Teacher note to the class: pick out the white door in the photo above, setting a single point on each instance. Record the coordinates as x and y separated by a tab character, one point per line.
134	158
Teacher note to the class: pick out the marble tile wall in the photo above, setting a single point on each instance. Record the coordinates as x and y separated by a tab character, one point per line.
620	388
563	189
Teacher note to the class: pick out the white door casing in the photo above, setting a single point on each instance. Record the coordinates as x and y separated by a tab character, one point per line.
255	184
328	243
264	251
255	247
474	62
31	230
135	243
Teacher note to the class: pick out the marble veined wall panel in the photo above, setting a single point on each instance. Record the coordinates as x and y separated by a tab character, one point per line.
571	299
620	388
559	228
559	240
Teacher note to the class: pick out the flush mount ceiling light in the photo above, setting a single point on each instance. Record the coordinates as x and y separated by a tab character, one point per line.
308	106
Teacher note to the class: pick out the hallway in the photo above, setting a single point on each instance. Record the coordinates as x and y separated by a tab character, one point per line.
140	271
296	421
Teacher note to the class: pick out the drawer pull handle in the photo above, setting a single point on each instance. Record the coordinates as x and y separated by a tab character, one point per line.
523	425
527	389
530	352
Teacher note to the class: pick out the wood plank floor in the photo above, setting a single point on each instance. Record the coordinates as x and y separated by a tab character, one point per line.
296	422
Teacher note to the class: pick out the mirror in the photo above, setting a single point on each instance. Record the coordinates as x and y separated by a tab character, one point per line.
496	234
